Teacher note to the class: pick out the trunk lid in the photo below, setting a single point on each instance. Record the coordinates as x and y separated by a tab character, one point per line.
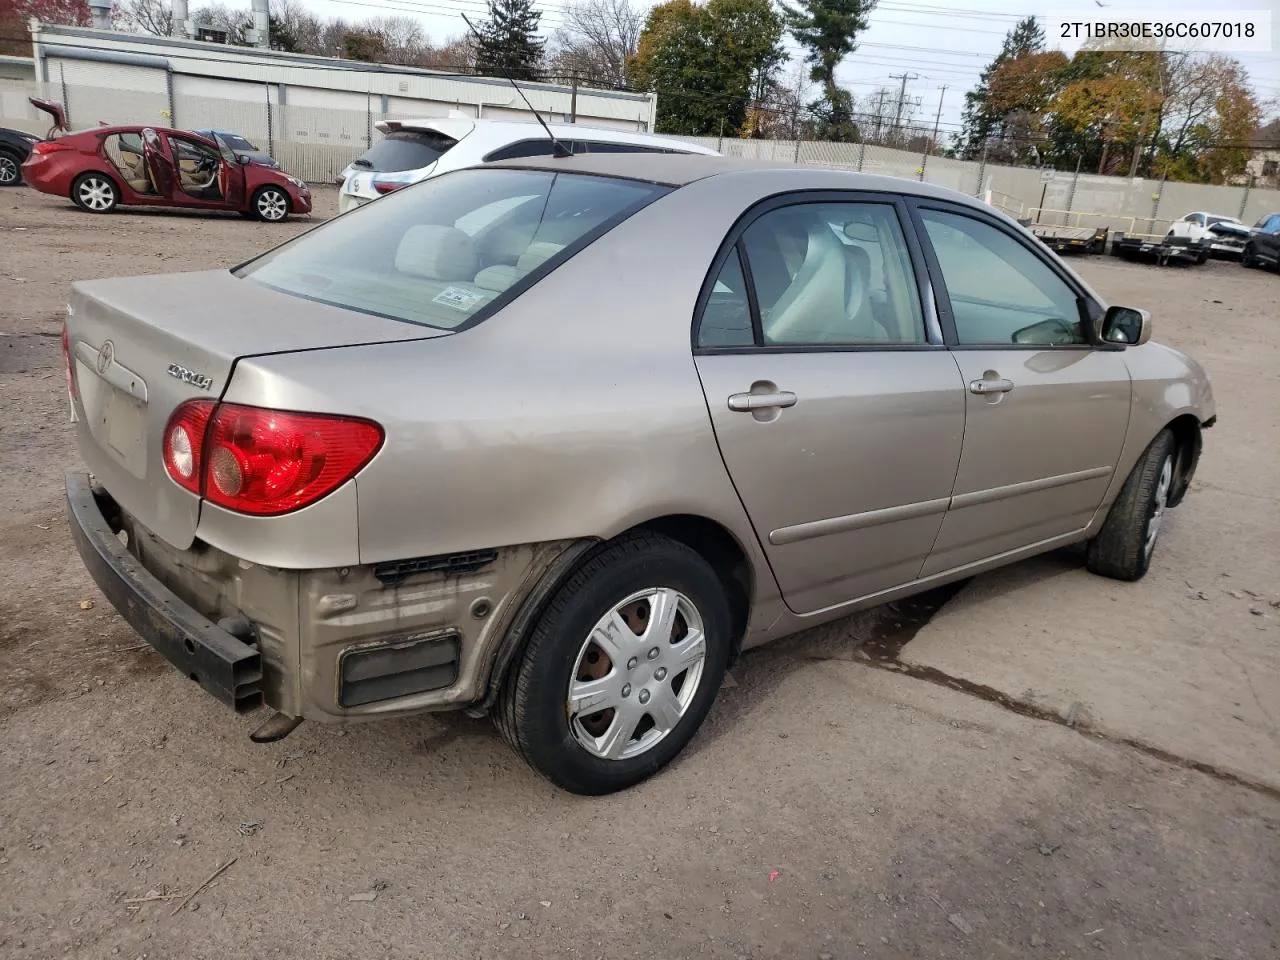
54	110
140	346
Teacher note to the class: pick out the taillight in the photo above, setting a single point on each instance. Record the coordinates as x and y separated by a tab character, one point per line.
66	361
49	146
264	462
386	186
184	442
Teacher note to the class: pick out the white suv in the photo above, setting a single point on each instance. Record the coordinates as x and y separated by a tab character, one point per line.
413	150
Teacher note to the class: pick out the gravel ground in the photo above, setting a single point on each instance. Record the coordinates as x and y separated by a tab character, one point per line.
828	809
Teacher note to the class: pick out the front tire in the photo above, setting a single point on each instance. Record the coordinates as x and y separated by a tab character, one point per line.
270	204
95	192
621	668
10	170
1247	258
1123	547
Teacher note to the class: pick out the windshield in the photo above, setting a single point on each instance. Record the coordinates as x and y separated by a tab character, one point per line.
405	150
237	142
1211	220
441	252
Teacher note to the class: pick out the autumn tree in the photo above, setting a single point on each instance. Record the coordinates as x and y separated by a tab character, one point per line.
983	118
16	14
146	16
509	44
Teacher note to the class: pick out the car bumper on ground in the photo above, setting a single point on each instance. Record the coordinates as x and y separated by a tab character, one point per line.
329	645
224	665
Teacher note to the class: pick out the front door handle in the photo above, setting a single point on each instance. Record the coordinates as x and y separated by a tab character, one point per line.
747	402
996	385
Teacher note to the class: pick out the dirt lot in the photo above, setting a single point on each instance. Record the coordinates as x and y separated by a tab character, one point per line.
849	797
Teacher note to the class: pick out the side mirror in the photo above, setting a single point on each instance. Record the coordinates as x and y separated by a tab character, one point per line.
1126	326
244	159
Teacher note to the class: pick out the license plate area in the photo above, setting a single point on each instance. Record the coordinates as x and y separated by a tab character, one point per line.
115	419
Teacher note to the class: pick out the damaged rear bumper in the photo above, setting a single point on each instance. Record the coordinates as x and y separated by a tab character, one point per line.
225	666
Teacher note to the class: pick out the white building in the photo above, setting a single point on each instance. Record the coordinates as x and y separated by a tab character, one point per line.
314	113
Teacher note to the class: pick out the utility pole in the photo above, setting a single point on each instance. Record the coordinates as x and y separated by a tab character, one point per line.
902	96
937	120
879	113
573	100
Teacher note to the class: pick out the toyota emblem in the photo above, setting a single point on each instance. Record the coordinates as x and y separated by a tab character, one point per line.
106	354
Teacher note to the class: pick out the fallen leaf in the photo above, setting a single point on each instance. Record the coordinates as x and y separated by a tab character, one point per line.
86	604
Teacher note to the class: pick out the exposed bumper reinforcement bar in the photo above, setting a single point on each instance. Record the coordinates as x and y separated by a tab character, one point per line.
226	667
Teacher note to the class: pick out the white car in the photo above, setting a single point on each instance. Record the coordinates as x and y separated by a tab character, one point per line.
414	150
1195	226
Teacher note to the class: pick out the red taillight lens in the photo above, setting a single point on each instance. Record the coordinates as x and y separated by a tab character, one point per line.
264	462
184	442
66	361
49	146
386	186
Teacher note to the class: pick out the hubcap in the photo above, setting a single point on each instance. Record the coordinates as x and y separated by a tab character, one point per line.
96	194
8	170
1161	500
272	206
636	674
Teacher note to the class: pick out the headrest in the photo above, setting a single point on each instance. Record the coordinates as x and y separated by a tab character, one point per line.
436	253
861	232
497	278
536	254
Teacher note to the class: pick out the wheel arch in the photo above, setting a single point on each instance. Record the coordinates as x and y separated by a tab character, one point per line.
709	539
261	188
1186	432
105	174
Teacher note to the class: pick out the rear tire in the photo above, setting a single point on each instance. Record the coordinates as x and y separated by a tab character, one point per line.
1124	546
10	169
95	192
270	204
595	719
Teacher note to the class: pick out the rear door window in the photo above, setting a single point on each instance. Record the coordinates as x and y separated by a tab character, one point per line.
444	252
403	150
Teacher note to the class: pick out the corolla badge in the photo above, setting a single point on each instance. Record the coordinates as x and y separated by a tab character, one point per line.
198	380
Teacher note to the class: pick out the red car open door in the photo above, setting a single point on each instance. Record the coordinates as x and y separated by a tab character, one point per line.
158	162
231	177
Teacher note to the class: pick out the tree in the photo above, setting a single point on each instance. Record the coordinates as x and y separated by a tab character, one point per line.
148	16
981	118
597	39
235	23
828	30
707	63
15	15
509	44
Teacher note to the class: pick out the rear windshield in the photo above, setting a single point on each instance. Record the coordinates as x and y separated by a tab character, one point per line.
440	252
405	150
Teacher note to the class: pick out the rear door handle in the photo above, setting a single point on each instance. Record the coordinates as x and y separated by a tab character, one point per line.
1000	385
747	402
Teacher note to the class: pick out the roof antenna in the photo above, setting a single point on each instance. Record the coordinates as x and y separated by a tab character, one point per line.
559	149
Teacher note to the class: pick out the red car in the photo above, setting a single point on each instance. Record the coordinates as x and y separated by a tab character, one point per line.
106	167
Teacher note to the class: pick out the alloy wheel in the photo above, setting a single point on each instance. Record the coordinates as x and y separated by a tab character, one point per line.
272	205
1161	500
8	171
636	674
97	194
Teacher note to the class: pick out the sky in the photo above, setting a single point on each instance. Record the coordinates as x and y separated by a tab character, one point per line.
937	43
